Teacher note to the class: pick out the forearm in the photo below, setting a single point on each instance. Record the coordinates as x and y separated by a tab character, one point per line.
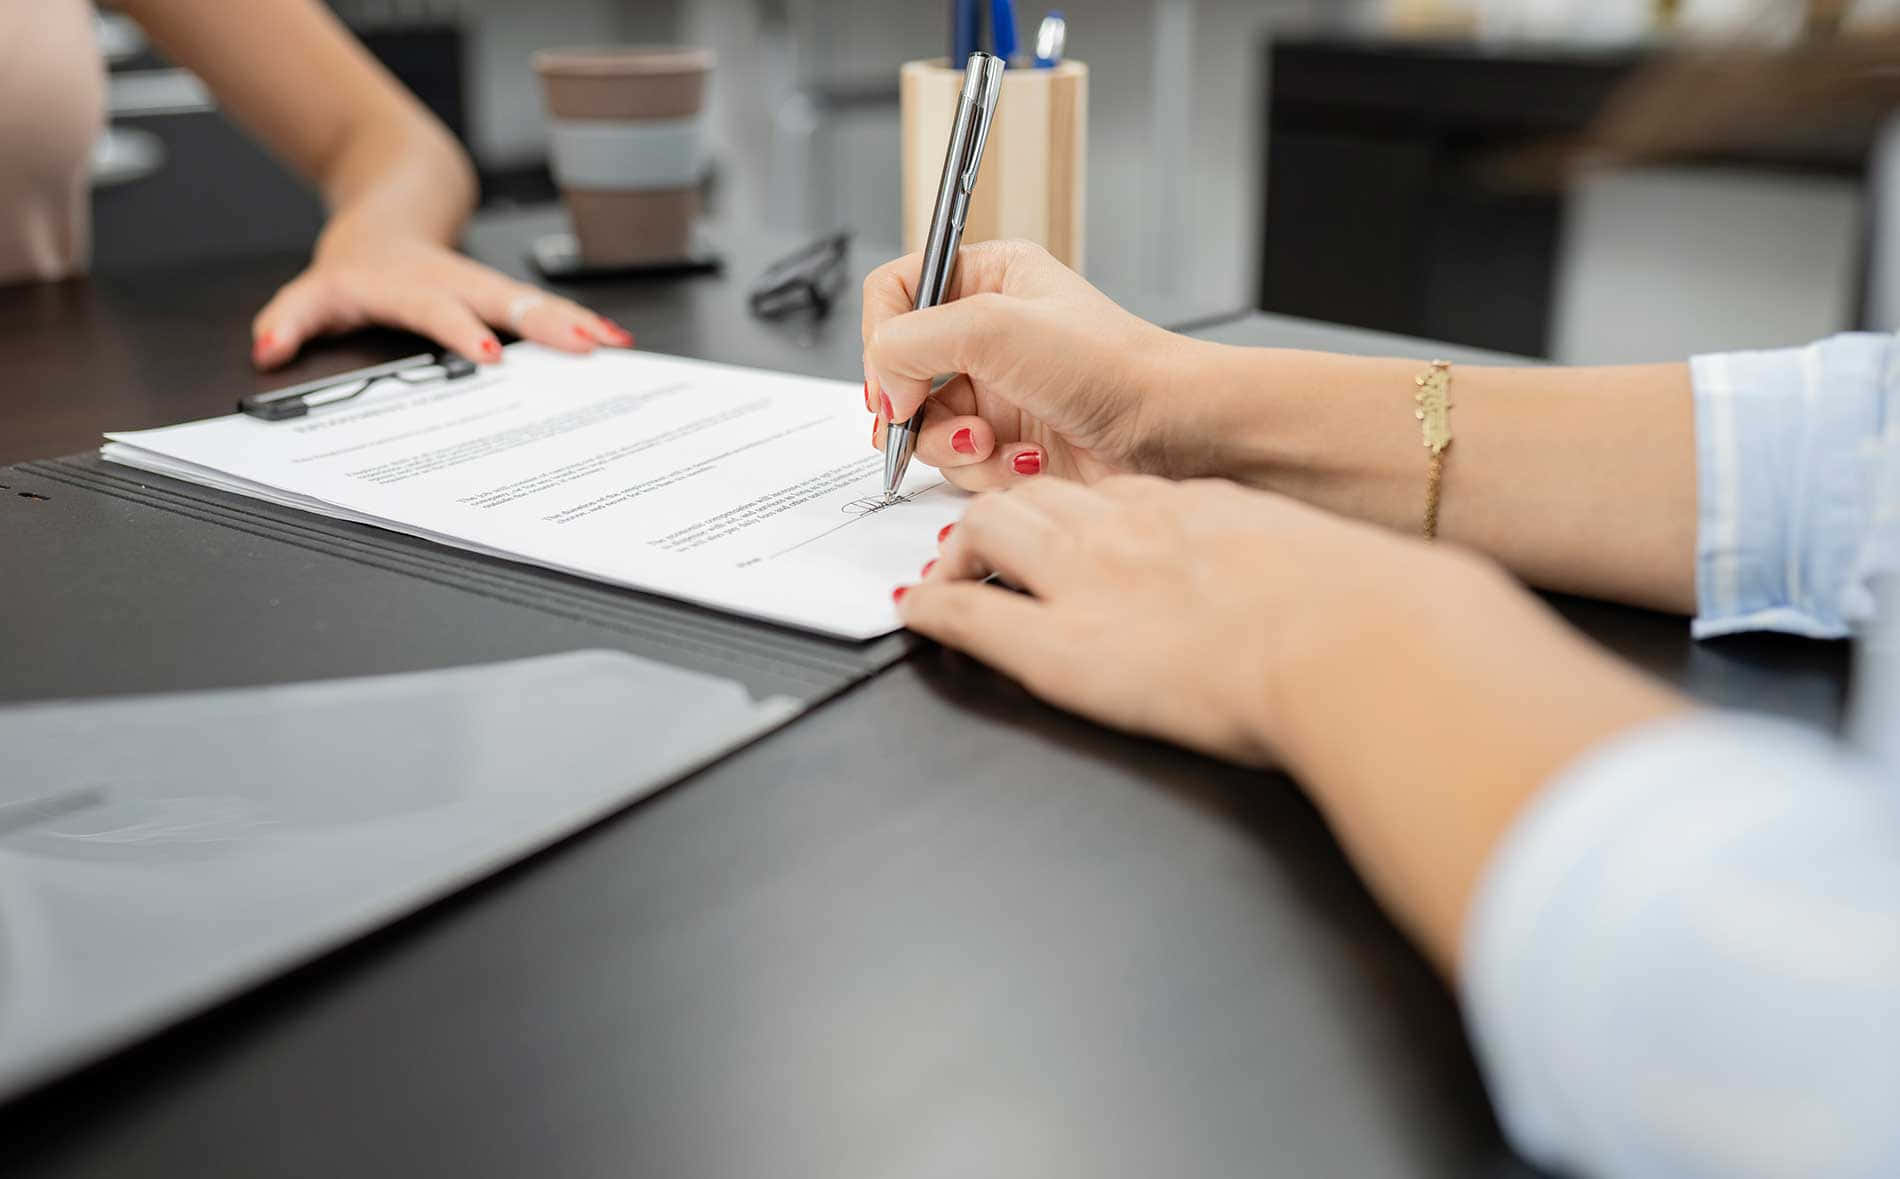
292	74
403	177
1580	480
1422	722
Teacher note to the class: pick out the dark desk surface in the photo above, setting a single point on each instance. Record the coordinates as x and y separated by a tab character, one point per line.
1025	946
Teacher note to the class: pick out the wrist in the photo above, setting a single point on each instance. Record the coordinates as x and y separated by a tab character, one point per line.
1372	637
1420	721
1195	417
363	231
345	234
1334	431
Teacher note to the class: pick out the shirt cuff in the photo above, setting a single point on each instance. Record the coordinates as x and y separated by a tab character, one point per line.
1787	457
1564	918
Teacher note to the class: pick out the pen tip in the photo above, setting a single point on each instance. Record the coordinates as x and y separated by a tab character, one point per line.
890	497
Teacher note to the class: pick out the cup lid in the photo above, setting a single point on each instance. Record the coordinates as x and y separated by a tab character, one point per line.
622	60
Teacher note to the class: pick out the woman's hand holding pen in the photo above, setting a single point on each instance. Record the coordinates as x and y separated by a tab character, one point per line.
1580	480
1053	377
411	282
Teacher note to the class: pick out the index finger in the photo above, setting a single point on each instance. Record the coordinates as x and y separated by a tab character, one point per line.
891	289
1003	629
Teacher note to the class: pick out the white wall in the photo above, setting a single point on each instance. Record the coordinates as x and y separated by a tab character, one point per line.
1662	263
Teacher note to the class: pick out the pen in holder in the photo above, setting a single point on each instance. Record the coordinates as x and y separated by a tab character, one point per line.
1034	166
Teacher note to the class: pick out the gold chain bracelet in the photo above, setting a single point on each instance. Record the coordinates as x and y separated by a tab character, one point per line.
1434	417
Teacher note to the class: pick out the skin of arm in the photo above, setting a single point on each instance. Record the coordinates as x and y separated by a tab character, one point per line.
1581	480
329	109
397	185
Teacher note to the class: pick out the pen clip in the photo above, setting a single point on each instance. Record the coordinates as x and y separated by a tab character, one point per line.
295	401
986	100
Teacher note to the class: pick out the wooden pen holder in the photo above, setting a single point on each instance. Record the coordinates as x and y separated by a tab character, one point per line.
1035	163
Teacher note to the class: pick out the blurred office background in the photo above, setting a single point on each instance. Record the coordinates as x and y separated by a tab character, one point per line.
1317	157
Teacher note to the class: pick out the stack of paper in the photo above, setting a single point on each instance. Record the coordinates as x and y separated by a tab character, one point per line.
748	491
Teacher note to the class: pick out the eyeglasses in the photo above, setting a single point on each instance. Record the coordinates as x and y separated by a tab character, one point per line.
298	400
809	278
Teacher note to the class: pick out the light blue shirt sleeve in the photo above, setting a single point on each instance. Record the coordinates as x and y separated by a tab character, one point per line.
1791	448
1684	957
1684	960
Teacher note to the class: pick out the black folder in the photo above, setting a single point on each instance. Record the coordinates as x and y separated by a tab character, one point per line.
115	580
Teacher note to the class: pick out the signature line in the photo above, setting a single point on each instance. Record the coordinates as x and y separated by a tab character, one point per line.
848	523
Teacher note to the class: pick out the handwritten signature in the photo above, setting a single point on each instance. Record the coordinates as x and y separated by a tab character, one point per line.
871	505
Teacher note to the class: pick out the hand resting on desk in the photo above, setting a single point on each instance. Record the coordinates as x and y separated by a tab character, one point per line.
1416	690
398	186
421	286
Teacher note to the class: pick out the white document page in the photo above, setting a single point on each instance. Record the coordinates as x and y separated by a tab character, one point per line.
745	490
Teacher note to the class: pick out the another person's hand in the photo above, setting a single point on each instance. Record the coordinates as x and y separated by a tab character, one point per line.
356	280
1053	377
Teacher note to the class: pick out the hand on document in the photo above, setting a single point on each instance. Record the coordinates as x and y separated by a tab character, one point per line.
1053	377
425	287
735	488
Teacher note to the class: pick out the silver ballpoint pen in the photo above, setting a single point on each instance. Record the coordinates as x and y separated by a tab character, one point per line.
976	106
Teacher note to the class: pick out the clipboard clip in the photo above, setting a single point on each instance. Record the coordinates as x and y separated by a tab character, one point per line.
294	401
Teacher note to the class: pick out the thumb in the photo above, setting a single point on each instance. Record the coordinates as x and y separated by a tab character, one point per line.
295	314
977	335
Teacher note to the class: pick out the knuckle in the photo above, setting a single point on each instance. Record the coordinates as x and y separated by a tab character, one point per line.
986	306
980	516
1026	250
970	478
881	276
990	324
944	612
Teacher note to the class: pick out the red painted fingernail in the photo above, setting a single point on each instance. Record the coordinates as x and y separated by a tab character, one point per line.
491	348
884	402
621	335
945	534
1027	463
963	441
265	340
928	566
867	393
897	595
580	333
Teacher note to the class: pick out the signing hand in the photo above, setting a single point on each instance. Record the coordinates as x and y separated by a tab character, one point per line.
426	288
1054	378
